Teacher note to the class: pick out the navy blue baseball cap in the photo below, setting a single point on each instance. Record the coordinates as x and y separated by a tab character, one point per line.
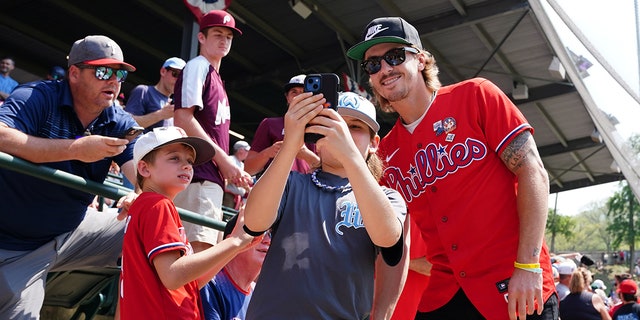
385	30
57	73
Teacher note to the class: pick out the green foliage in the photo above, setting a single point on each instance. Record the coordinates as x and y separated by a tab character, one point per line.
584	232
560	225
602	227
623	212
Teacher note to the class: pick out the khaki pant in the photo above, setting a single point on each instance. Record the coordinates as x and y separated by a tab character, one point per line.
204	198
96	242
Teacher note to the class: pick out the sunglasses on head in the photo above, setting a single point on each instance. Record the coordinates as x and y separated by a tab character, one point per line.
105	73
174	72
393	57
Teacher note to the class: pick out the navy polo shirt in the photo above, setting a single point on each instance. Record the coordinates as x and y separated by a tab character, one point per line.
34	211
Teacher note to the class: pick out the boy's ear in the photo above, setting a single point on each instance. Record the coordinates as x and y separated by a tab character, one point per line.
143	168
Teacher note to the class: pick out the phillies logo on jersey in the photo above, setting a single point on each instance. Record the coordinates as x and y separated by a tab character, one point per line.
432	163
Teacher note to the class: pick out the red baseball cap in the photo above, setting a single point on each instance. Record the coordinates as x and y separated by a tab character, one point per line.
219	18
628	286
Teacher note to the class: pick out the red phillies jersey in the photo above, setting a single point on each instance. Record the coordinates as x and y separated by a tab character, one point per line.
461	195
413	291
154	226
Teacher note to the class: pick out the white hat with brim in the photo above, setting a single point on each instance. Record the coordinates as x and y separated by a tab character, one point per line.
354	105
163	136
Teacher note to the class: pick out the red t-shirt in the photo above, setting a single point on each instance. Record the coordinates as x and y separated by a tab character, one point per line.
154	226
461	195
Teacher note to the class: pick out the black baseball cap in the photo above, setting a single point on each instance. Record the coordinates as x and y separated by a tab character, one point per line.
385	30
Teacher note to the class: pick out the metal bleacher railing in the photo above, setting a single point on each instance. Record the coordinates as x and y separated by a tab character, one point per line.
92	291
108	189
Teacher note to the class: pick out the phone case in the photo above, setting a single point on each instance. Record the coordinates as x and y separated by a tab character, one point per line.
327	84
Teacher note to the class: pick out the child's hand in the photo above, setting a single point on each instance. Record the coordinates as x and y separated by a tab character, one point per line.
302	109
247	240
337	138
124	203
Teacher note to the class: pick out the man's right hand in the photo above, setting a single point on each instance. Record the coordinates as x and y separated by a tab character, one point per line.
94	148
233	173
167	111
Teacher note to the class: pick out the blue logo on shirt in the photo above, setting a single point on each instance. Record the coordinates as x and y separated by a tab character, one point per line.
351	217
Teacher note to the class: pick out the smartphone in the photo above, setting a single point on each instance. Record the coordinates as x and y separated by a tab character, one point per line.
327	84
132	133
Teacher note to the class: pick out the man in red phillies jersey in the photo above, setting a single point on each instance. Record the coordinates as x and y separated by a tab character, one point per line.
464	158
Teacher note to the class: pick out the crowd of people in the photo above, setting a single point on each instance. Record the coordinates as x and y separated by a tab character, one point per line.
584	297
354	226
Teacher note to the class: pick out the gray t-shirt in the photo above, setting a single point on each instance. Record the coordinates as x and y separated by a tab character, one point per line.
321	261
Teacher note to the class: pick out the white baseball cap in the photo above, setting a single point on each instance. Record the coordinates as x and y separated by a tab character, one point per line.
357	106
566	267
598	284
163	136
241	145
297	81
174	63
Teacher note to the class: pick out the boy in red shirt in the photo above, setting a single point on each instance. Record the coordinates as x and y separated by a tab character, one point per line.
161	276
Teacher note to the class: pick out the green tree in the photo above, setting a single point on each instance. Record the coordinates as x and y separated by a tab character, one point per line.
559	225
596	223
623	214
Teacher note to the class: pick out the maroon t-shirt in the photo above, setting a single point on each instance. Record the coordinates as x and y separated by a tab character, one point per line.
270	131
200	85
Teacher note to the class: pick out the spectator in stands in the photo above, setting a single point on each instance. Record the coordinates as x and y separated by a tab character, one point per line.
56	73
565	272
330	225
7	84
161	276
629	309
581	304
152	106
202	110
598	287
227	295
616	301
233	194
267	140
72	126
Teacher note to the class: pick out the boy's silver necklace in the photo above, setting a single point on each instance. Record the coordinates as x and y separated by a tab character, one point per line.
341	189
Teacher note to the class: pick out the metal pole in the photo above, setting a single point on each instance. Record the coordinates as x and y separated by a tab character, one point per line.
66	179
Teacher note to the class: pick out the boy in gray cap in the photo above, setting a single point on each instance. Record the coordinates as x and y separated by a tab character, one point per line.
73	126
